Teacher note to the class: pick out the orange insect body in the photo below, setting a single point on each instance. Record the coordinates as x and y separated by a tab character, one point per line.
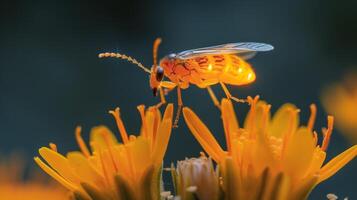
203	67
208	70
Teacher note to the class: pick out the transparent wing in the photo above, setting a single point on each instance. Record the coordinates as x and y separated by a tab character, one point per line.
246	50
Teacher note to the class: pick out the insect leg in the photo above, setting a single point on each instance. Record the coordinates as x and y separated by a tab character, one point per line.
162	98
213	97
179	108
229	96
164	86
168	86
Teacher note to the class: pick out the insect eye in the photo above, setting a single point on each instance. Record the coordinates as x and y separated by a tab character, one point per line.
159	73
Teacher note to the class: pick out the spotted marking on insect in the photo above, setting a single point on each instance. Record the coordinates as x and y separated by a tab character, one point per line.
203	67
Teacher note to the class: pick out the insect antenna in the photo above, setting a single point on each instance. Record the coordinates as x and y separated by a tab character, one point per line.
155	49
124	57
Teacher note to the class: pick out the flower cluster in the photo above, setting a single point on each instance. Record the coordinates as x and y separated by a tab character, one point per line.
111	170
269	158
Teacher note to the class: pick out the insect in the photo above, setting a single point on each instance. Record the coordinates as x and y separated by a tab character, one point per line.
203	67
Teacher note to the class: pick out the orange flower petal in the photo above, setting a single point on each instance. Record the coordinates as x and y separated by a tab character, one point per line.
138	153
299	151
230	122
97	139
163	135
84	168
203	135
59	163
257	119
337	163
162	141
283	119
55	175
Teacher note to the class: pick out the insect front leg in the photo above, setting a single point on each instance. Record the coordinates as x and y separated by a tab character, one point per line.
162	98
229	96
164	85
179	108
169	86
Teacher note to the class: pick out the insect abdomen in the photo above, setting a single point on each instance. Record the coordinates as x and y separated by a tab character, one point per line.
227	68
209	70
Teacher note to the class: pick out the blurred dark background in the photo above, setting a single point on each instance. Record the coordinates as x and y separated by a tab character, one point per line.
51	79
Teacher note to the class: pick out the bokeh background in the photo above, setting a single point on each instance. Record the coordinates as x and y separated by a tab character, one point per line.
51	79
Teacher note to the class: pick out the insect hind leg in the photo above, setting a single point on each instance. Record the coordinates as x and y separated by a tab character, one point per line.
213	97
229	95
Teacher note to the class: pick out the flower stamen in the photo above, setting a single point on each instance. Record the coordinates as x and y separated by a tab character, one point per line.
141	109
53	146
315	138
312	118
327	133
116	114
82	145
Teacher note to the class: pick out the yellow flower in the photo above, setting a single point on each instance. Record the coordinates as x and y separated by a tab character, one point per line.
13	187
112	170
268	158
340	100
